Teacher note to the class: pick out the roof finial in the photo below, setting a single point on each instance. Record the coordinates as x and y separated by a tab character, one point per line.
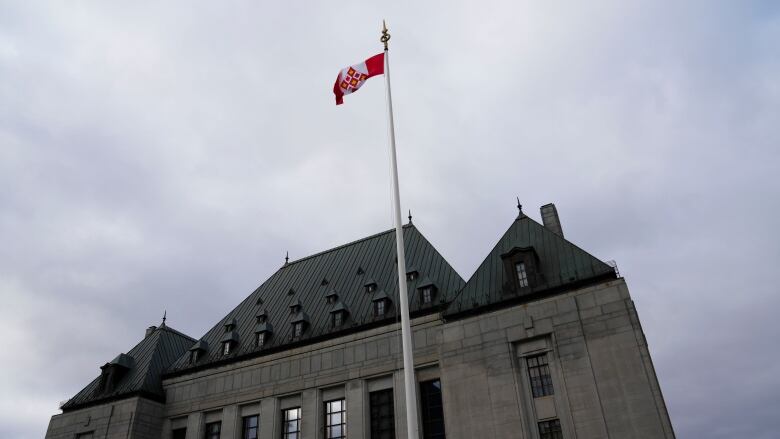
385	35
165	315
286	258
519	207
410	216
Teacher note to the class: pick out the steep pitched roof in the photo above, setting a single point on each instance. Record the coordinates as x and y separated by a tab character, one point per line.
347	269
144	365
559	263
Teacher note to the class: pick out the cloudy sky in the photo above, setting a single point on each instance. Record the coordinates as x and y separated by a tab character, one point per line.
166	156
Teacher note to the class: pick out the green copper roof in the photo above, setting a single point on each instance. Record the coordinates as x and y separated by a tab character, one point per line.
143	365
558	261
347	269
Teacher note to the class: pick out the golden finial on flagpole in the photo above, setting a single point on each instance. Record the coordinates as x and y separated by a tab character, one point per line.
385	34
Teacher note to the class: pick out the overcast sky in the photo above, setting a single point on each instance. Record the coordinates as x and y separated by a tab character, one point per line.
166	156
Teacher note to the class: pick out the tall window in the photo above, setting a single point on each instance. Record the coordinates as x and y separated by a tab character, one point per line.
382	414
338	319
522	276
550	429
291	423
539	373
260	339
432	410
179	433
297	329
213	429
335	419
226	348
250	426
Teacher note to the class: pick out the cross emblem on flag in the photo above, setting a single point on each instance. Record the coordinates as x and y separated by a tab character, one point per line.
353	77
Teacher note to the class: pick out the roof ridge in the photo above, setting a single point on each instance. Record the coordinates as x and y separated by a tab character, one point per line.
376	235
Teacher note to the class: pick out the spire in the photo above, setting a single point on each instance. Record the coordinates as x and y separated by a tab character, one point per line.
286	258
410	216
519	208
165	315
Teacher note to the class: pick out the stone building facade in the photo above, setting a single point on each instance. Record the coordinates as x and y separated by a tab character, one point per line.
542	342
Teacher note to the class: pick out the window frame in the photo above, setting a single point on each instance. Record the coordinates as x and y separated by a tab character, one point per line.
296	434
210	434
377	428
297	329
380	308
426	295
539	375
337	319
521	274
328	416
227	348
246	428
432	409
550	429
260	339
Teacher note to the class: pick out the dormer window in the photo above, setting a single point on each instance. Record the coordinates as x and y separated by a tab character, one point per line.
263	329
226	348
427	295
295	306
379	308
337	319
370	285
111	373
427	290
196	351
229	341
521	266
338	315
412	273
260	339
522	276
332	296
299	324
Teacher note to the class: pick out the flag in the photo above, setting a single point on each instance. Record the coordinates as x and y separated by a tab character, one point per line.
353	77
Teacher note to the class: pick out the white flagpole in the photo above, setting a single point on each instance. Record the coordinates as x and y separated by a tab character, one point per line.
410	384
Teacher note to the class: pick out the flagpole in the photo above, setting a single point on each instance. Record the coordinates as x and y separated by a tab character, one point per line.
410	384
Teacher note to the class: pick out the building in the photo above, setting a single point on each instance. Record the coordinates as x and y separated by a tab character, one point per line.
542	342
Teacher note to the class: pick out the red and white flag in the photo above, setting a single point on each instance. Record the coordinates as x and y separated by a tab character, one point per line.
353	77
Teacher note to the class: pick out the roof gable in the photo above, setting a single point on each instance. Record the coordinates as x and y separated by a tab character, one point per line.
558	263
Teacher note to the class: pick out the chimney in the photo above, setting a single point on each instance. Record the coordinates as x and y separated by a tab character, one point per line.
150	330
550	219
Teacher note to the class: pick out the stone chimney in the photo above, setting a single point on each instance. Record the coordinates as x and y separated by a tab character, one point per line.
150	330
550	219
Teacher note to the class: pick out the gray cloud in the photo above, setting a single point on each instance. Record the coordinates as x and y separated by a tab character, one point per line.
166	157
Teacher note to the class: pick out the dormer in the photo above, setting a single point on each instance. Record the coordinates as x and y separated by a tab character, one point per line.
263	329
381	304
332	296
112	372
338	315
412	273
521	266
230	337
370	285
197	351
300	323
427	291
295	306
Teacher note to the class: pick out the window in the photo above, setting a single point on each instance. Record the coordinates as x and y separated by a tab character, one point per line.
291	423
371	288
193	357
411	276
250	426
382	414
550	429
432	410
379	308
522	276
179	433
260	339
213	429
427	295
335	419
226	348
338	319
539	373
297	329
